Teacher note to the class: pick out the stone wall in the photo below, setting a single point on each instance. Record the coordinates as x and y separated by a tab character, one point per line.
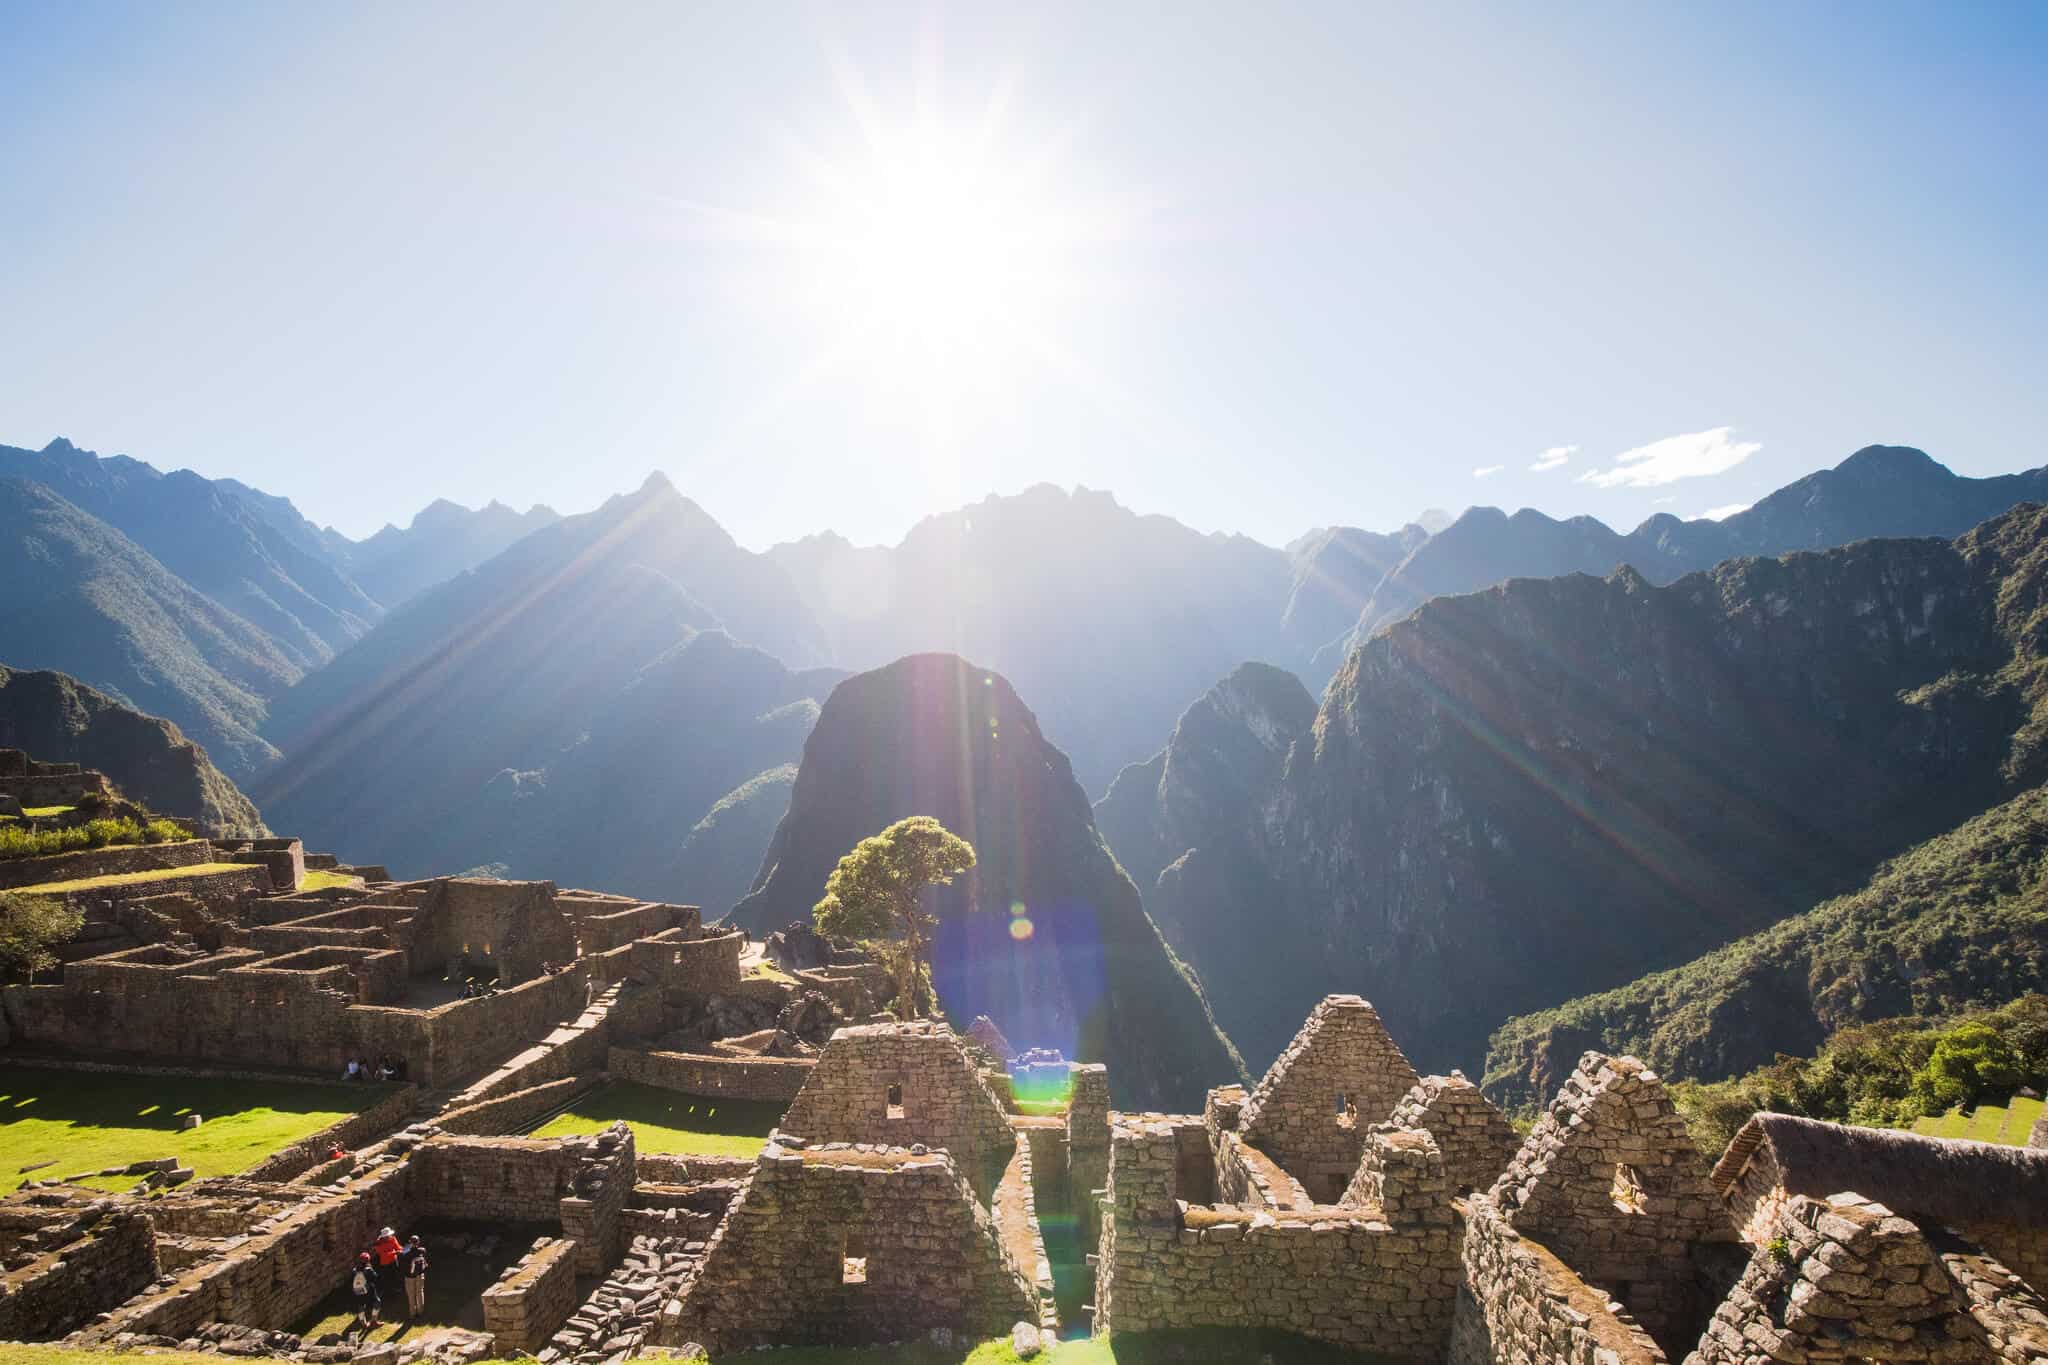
114	1257
1847	1279
289	1263
283	859
1383	1282
834	1246
104	862
515	927
1339	1076
1520	1305
516	1112
900	1084
1476	1139
1610	1181
360	1129
776	1079
533	1298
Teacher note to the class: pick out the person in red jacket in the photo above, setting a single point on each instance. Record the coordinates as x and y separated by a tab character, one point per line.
387	1246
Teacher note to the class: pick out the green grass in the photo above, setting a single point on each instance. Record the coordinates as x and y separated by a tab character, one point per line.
2009	1123
39	812
88	1120
668	1121
768	971
320	879
155	874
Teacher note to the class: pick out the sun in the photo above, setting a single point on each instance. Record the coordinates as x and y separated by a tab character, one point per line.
941	262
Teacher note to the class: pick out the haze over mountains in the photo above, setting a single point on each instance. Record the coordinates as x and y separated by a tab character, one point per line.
1645	764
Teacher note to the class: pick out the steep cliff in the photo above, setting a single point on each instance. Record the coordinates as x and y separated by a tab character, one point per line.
1516	796
61	720
1046	936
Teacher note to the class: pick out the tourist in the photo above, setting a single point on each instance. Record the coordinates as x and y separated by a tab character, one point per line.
363	1284
387	1246
337	1153
355	1070
384	1071
414	1260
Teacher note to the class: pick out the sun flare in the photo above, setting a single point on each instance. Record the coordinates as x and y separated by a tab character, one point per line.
941	264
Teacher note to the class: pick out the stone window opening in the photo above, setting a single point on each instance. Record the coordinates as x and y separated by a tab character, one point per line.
1347	1111
1627	1191
893	1102
853	1259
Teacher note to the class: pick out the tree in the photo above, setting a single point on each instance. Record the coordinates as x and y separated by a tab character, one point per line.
1970	1062
875	894
30	926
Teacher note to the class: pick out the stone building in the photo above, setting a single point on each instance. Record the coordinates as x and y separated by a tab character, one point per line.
1610	1181
1341	1075
1476	1139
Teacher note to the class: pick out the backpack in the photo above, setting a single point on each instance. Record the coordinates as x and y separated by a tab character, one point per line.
361	1283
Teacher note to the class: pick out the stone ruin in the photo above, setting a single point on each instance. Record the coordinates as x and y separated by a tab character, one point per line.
905	1194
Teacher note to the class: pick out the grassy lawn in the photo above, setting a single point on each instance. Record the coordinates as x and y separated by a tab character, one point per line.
320	879
2008	1123
667	1121
43	812
155	874
89	1120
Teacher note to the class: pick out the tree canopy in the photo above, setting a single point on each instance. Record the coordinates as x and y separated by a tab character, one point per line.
30	926
876	894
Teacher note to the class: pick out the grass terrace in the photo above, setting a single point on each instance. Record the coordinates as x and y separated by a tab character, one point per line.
155	874
320	879
2009	1123
89	1120
668	1121
40	812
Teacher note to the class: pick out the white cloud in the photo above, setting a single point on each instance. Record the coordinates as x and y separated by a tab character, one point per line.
1665	501
1691	456
1720	513
1487	471
1552	458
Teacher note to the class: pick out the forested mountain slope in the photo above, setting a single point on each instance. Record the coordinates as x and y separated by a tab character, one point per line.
1046	935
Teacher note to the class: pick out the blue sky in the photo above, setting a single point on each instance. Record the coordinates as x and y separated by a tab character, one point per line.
1256	267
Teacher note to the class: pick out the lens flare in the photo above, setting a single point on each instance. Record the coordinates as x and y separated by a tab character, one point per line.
1020	928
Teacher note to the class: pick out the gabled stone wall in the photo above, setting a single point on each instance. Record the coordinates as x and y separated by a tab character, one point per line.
836	1246
1476	1139
1610	1181
1520	1305
898	1085
1340	1076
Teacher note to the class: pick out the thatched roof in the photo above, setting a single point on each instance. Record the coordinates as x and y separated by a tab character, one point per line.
1947	1179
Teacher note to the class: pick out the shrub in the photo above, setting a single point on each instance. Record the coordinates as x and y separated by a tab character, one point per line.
30	926
162	832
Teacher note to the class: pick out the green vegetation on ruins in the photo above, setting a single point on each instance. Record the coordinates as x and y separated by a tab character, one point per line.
1896	1073
668	1121
31	927
320	879
23	842
876	894
90	1120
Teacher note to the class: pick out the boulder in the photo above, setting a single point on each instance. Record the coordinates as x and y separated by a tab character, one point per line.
798	947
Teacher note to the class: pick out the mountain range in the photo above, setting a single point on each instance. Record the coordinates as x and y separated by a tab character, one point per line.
1550	757
1880	491
1515	796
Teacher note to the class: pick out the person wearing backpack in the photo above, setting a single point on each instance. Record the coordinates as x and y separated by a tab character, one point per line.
414	1260
363	1284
